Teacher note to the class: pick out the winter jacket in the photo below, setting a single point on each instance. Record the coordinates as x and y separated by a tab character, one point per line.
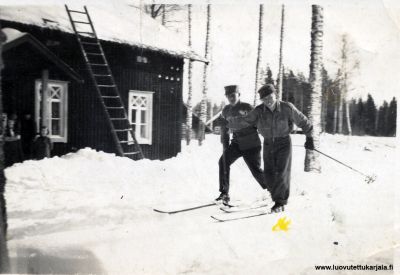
246	137
41	148
278	123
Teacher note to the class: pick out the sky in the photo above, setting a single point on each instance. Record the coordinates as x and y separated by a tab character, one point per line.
372	27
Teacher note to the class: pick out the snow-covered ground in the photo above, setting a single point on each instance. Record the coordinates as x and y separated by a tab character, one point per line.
91	212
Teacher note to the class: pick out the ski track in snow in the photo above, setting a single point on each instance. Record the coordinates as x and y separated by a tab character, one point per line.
91	212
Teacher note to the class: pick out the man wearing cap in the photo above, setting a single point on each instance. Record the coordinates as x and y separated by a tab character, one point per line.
274	120
245	143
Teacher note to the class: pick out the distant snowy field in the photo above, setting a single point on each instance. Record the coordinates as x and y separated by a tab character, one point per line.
91	212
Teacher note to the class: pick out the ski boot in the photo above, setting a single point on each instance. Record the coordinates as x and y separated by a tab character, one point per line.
278	207
223	198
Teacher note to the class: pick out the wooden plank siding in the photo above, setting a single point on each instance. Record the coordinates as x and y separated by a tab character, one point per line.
87	125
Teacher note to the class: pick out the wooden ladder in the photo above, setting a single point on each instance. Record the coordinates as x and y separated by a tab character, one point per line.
104	82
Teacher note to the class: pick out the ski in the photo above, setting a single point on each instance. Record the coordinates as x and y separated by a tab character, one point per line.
179	210
240	215
240	208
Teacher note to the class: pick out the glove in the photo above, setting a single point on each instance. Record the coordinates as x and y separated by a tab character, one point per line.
309	143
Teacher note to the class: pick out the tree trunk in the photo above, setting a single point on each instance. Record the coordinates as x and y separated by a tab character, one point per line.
4	260
335	120
346	102
340	113
190	72
280	78
312	158
259	51
377	122
163	16
324	110
203	109
348	122
345	82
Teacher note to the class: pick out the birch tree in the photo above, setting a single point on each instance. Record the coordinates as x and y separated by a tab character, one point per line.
259	51
349	66
280	77
312	158
190	72
163	13
203	110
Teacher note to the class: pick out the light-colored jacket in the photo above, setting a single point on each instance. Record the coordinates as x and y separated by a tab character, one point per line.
278	123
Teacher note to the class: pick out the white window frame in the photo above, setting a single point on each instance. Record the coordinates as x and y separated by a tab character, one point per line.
149	116
63	108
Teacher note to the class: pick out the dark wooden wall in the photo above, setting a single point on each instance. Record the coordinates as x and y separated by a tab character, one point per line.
87	126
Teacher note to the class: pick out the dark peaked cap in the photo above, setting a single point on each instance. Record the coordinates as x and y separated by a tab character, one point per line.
231	89
266	90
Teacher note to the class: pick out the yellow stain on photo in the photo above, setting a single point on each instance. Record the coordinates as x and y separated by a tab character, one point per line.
282	224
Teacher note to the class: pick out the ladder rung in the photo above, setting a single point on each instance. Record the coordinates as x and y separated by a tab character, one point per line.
81	22
131	153
90	43
88	39
86	33
122	130
106	86
102	75
94	53
82	12
118	118
115	107
107	96
97	64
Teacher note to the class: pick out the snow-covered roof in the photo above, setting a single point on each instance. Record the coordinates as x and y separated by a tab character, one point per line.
121	24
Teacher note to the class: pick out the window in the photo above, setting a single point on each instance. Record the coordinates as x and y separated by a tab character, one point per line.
141	115
56	106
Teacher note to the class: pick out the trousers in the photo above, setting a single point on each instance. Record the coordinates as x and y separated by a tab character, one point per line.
252	158
277	156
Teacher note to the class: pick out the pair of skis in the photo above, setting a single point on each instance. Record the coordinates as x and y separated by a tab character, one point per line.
231	212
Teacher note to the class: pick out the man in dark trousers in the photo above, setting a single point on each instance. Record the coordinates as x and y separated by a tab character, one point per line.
274	120
245	143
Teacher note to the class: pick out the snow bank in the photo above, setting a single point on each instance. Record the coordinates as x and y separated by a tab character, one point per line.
100	206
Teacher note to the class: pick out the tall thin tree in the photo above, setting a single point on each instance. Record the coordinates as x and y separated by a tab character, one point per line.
259	51
203	109
190	72
312	158
340	106
163	16
344	69
280	78
336	102
4	260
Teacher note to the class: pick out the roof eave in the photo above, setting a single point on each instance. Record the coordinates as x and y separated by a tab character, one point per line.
46	52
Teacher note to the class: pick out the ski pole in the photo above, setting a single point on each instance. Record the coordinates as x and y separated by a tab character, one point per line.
368	179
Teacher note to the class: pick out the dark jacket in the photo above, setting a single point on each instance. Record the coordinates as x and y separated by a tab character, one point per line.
278	123
41	148
246	137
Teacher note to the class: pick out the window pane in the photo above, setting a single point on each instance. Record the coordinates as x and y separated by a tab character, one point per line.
143	131
143	116
55	110
55	127
133	116
55	92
